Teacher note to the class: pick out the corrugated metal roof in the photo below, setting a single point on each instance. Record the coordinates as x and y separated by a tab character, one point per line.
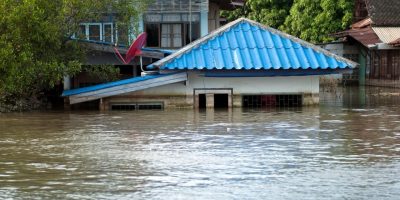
361	24
110	84
387	34
365	36
123	87
245	44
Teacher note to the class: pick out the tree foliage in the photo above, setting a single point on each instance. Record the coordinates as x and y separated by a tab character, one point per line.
102	73
314	20
270	12
311	20
35	46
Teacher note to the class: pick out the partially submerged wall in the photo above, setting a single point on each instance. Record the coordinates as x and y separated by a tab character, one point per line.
186	94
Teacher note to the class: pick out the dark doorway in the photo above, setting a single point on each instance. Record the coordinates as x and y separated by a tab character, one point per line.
202	100
221	101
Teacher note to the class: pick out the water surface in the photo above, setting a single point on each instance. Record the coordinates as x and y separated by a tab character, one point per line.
346	148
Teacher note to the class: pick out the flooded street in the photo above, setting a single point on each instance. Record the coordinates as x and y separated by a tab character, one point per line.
346	148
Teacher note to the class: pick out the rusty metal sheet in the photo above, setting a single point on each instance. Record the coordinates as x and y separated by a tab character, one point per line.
365	36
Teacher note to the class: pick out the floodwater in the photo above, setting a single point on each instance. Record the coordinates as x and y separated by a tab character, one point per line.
346	148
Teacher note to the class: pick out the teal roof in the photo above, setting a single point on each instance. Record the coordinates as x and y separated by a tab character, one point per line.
110	84
248	45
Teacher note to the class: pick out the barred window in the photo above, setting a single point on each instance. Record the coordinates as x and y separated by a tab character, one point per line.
265	101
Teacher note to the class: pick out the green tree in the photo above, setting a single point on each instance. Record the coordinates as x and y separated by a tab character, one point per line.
270	12
311	20
35	46
314	20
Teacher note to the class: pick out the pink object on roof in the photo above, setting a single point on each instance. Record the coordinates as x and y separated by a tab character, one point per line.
134	50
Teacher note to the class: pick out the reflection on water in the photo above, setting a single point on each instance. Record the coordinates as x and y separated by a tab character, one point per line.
347	148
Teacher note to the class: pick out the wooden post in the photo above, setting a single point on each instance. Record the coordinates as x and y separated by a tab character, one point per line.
67	86
196	101
362	68
67	105
230	101
102	105
134	71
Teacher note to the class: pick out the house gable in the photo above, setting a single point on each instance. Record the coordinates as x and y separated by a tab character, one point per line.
247	45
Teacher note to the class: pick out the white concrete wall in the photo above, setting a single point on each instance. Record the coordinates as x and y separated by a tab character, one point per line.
242	85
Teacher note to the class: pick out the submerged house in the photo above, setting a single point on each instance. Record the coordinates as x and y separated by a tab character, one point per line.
242	64
374	42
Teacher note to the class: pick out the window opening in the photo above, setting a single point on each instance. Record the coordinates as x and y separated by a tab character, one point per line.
82	32
137	106
123	107
265	101
108	33
153	35
171	35
95	32
150	106
195	32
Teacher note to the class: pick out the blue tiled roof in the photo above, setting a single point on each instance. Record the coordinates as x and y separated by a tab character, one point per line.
110	84
248	45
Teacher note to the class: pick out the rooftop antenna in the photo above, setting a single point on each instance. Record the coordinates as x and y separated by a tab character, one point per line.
134	50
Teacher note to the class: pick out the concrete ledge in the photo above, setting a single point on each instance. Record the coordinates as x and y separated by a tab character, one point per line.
383	83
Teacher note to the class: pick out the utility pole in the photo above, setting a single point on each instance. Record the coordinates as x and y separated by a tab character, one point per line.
190	20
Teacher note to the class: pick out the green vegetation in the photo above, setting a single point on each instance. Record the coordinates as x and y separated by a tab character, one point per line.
103	73
270	12
35	49
311	20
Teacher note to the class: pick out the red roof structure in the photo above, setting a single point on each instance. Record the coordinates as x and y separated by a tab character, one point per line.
365	36
381	13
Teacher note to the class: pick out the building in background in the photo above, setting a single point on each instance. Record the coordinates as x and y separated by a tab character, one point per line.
374	42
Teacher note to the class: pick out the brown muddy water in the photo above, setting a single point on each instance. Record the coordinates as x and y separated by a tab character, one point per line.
346	148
